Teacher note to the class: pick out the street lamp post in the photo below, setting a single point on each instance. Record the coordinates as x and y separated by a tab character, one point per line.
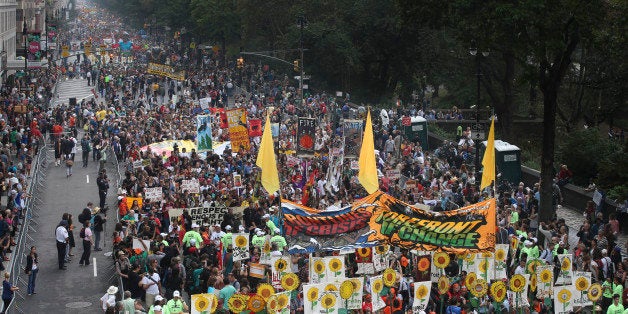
301	22
474	52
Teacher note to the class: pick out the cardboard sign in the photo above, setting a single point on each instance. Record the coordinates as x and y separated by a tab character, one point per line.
153	194
192	186
257	270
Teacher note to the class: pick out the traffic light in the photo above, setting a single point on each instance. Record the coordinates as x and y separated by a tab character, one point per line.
296	65
240	63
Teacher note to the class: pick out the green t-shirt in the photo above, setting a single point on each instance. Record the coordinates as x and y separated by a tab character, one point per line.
615	309
514	217
607	289
175	306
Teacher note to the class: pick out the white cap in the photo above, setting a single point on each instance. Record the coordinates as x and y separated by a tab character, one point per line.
195	225
157	307
192	241
228	227
272	209
257	230
266	216
241	228
260	233
277	230
159	298
176	294
604	251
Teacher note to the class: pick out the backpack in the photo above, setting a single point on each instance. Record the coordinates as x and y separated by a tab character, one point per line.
82	234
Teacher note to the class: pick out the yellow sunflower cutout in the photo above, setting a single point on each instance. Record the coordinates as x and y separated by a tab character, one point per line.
498	291
256	303
319	268
266	248
328	301
421	292
564	296
272	304
214	300
281	265
532	265
582	284
389	276
514	243
470	280
483	266
364	253
335	265
240	241
443	284
441	260
283	301
346	289
595	292
424	264
331	287
480	288
238	302
312	294
265	291
533	281
565	265
378	285
500	255
546	276
381	249
202	303
290	281
517	283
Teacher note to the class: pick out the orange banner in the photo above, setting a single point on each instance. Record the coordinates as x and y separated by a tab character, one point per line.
238	130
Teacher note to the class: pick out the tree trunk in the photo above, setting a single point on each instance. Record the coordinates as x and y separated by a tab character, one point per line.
546	209
504	112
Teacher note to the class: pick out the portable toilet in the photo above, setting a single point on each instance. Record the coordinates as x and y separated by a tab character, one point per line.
415	129
507	161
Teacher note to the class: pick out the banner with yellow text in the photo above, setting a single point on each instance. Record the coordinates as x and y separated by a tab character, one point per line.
238	130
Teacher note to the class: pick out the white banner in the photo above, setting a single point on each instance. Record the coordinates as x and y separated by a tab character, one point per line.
581	284
192	186
563	300
153	194
565	273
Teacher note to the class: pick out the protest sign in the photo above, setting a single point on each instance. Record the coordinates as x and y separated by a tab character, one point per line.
153	194
192	186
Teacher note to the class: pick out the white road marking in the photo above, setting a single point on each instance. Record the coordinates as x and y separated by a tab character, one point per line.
87	176
95	268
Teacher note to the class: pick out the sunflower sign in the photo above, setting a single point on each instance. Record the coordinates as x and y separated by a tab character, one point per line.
580	288
380	260
377	285
364	260
468	262
563	300
327	269
423	268
566	270
518	293
318	270
335	267
278	303
440	260
544	281
485	266
501	253
311	296
280	265
421	296
204	303
240	246
351	291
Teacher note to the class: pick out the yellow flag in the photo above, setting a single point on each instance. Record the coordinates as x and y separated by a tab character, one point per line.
368	169
488	161
266	160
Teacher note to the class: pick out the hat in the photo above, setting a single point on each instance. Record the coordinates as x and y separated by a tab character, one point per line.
534	240
192	241
277	230
272	209
176	294
112	290
159	298
527	242
260	233
604	252
157	307
195	225
228	227
266	216
120	253
95	210
241	228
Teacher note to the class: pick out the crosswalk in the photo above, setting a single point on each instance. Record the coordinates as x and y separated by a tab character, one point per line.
73	88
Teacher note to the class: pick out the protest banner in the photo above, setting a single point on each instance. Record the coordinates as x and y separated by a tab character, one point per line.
203	133
237	180
192	186
352	133
153	194
422	292
130	200
165	70
306	136
238	131
383	218
208	215
141	244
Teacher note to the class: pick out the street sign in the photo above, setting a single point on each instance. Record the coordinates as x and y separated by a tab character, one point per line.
406	121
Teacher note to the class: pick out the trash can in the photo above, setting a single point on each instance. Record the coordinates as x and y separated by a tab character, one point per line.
415	129
507	161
